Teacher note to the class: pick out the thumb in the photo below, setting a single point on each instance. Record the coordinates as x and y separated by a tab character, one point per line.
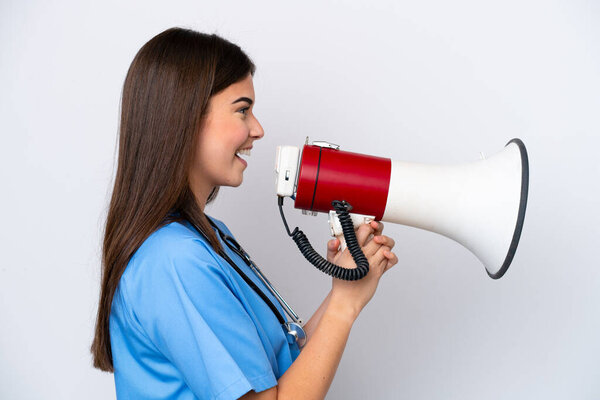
332	249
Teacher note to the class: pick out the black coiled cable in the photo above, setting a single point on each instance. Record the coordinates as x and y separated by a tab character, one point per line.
342	208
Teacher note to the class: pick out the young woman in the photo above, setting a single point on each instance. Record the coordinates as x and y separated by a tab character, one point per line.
176	317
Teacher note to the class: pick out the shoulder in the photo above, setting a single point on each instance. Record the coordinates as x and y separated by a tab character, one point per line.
168	239
172	251
174	262
171	241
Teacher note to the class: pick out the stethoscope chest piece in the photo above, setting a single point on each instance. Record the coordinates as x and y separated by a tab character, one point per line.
296	332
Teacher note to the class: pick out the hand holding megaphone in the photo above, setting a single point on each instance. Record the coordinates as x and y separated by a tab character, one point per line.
378	250
479	204
374	238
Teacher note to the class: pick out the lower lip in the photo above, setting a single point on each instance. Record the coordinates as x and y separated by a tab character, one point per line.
242	160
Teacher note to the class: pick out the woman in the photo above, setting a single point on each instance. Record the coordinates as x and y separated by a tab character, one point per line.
175	319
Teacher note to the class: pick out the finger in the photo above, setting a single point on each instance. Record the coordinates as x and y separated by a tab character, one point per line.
378	226
392	260
379	258
333	247
385	240
371	247
363	233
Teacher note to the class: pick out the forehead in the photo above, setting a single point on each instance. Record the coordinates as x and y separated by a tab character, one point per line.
243	88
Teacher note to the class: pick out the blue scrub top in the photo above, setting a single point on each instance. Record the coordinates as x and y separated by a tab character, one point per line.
185	325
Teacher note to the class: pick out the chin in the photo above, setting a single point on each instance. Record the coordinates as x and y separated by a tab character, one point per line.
237	182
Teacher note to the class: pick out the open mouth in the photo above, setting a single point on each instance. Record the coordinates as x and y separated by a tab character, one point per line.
243	152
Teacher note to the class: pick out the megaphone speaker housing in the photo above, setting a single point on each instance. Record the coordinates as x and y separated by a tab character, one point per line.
480	204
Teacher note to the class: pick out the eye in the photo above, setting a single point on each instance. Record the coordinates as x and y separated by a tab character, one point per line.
244	110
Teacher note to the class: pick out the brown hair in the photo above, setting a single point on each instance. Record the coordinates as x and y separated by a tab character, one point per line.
164	102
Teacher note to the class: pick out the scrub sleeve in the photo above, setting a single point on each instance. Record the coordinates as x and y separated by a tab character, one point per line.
184	325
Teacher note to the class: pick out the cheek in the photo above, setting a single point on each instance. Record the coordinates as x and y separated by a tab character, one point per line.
234	135
221	139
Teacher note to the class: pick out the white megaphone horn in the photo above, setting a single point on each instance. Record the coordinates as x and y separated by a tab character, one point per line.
480	204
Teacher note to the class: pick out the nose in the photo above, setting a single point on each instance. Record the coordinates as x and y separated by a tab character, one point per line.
257	130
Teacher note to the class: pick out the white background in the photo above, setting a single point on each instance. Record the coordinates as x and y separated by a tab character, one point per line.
430	81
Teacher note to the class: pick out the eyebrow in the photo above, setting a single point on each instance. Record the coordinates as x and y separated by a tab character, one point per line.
246	99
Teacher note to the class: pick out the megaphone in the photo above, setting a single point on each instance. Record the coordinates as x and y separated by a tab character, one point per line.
480	204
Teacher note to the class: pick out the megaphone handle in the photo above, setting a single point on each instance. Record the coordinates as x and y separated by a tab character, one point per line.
336	227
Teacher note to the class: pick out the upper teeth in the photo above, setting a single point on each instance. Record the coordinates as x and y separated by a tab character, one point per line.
245	152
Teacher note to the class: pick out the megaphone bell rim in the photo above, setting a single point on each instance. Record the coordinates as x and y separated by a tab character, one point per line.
521	214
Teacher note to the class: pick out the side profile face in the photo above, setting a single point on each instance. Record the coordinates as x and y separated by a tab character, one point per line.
229	127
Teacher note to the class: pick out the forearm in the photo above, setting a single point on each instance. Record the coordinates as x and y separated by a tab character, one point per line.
310	376
312	323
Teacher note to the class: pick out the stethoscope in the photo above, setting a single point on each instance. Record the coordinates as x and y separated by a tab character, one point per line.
293	329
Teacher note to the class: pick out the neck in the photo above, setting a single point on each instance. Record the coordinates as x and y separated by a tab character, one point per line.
201	198
201	191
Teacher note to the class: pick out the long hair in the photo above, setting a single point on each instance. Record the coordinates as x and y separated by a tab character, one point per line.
163	105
